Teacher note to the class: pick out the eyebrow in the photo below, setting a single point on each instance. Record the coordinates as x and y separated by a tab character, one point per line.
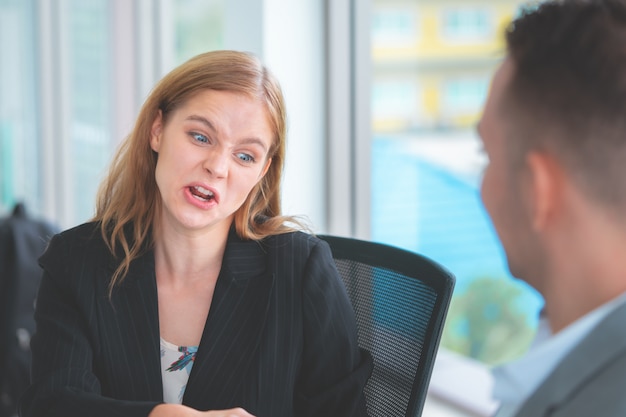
202	120
209	125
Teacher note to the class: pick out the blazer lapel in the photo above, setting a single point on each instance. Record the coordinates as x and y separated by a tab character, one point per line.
605	342
136	300
234	326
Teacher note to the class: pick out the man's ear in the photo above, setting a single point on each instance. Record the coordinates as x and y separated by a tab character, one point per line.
156	132
545	176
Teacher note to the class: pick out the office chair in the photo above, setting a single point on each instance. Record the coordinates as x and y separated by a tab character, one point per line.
401	300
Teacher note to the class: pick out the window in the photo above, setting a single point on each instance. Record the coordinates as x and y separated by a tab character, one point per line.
88	103
425	174
198	27
467	24
73	77
20	136
55	119
393	26
395	98
465	94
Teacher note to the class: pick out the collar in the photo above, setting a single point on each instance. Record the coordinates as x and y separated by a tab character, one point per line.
517	380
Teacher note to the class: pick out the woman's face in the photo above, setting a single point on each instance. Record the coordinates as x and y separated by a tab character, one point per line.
211	152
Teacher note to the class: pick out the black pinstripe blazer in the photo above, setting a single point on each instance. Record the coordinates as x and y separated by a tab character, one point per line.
279	341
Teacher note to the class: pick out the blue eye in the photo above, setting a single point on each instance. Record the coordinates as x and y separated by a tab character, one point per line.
199	137
245	157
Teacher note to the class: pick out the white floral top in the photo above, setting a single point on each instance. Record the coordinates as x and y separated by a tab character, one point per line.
176	363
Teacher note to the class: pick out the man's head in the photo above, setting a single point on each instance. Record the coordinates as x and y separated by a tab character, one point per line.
556	115
567	94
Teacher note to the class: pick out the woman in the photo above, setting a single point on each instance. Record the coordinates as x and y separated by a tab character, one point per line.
189	292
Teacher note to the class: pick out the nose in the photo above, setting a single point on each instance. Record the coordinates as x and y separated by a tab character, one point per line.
216	163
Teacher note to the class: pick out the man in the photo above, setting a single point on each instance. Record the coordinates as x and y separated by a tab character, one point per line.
554	130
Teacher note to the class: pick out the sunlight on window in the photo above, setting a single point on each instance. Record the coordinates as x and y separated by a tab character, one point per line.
20	137
392	26
395	98
198	27
468	24
427	96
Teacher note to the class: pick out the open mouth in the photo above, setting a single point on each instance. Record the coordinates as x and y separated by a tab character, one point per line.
202	193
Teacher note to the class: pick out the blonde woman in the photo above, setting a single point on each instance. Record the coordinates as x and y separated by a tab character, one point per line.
189	294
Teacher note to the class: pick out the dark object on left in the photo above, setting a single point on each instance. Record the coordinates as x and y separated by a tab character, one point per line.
22	240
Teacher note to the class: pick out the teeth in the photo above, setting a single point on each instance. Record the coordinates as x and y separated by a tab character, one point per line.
204	191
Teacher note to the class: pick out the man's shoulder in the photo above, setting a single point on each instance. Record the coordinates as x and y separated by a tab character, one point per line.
600	394
590	378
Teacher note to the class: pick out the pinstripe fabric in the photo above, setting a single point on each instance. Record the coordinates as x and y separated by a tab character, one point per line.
280	338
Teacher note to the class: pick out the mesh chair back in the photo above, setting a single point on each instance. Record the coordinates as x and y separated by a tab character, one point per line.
400	299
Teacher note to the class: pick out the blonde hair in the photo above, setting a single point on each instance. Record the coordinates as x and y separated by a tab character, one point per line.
128	200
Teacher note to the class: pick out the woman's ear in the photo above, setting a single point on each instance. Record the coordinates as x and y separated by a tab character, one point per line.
156	132
545	190
267	167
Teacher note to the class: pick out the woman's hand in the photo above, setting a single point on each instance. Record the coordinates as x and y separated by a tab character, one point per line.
233	412
177	410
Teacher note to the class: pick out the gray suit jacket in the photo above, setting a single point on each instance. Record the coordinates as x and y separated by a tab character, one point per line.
590	380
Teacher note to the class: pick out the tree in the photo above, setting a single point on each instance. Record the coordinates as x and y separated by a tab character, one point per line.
487	321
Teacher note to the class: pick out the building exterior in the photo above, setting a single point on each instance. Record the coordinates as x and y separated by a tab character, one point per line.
432	64
433	60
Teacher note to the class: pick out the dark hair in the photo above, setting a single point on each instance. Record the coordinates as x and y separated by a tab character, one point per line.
567	93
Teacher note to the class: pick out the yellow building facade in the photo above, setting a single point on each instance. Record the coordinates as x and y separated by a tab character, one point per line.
433	59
